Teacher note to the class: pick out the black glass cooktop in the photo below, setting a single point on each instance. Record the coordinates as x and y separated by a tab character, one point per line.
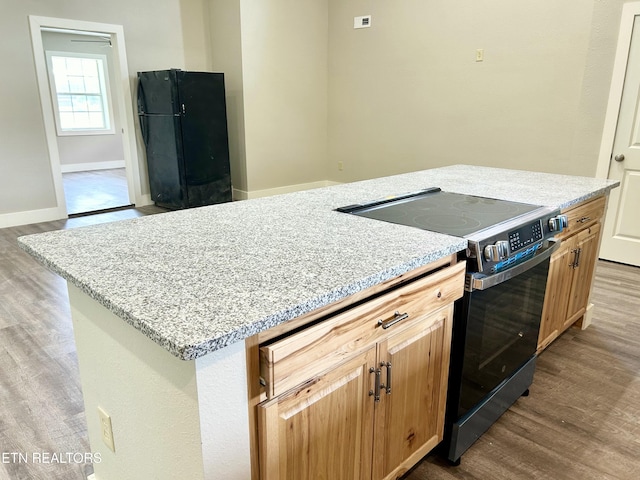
443	212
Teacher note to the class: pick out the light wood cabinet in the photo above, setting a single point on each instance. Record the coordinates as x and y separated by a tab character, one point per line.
586	249
323	429
409	420
559	281
361	394
571	271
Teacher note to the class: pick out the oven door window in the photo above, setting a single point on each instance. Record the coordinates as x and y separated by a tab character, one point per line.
501	332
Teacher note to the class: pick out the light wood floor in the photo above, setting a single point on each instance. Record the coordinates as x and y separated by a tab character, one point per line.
581	421
95	190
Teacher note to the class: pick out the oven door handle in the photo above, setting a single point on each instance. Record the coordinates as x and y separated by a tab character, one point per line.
478	281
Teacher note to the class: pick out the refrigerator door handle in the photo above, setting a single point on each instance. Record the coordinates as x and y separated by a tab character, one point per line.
141	114
140	97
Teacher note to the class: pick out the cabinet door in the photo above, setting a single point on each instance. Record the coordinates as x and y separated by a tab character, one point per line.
410	419
322	430
554	312
587	245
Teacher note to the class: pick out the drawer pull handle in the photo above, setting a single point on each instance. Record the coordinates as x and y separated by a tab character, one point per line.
583	219
397	317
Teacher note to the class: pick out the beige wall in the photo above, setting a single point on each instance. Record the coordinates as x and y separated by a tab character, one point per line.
226	39
407	93
25	183
159	34
284	65
596	82
275	65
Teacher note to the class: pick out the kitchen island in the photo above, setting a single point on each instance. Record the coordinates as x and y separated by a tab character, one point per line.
198	282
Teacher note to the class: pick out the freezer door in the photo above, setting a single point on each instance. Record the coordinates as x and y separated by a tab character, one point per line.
158	92
205	143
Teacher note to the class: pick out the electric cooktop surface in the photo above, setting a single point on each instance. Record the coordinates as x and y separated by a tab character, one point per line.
443	212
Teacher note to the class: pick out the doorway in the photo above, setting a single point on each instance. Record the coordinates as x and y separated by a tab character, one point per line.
94	162
620	150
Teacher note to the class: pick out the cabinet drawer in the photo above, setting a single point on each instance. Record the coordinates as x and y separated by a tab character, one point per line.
582	215
299	357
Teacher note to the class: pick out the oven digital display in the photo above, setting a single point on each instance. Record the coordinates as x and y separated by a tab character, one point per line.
525	236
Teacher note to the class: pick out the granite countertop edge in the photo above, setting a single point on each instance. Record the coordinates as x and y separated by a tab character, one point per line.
589	196
192	351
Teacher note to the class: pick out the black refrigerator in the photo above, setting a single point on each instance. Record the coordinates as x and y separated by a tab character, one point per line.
183	122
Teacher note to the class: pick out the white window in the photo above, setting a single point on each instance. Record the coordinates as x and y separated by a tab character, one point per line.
79	88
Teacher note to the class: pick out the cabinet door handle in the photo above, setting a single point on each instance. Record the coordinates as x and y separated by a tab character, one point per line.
388	385
583	219
574	263
397	317
577	262
376	391
576	257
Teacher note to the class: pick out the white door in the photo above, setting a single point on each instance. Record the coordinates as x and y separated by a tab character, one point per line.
621	234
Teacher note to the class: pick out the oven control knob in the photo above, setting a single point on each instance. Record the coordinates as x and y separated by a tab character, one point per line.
497	251
558	223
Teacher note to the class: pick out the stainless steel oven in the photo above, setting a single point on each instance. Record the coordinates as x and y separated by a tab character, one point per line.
496	323
493	348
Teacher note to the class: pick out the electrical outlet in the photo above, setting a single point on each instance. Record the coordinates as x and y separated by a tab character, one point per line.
106	429
340	166
362	22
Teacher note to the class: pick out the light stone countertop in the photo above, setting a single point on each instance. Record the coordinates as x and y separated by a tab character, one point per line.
197	280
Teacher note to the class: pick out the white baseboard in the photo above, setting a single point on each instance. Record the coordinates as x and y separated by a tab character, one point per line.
245	195
85	167
32	216
15	219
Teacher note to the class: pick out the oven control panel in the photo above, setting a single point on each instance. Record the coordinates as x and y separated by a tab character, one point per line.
525	236
507	244
522	238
